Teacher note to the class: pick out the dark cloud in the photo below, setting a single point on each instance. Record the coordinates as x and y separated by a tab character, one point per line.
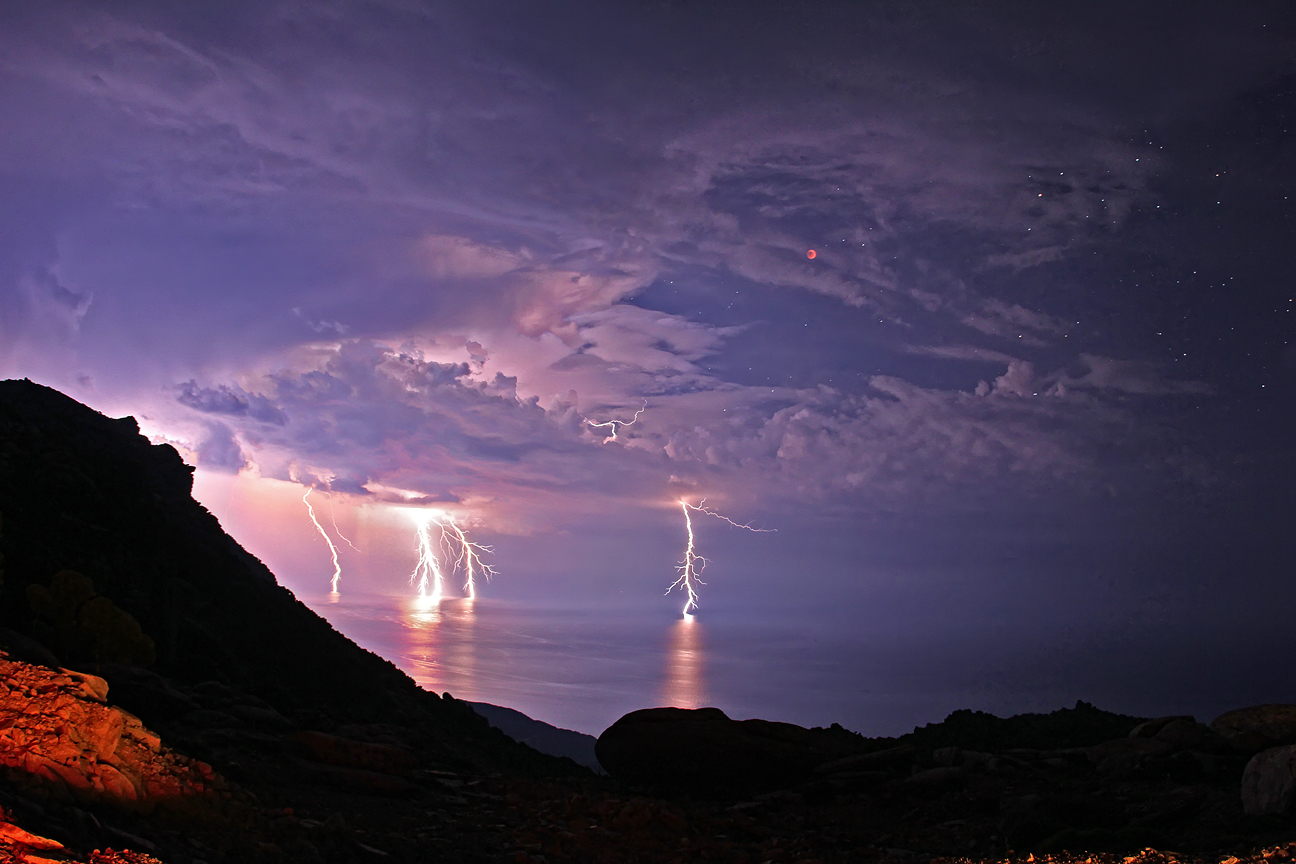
220	451
426	247
224	399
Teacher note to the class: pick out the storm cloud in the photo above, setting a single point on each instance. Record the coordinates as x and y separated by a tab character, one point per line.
426	248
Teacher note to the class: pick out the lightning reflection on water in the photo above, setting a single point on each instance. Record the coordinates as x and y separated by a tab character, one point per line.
683	686
439	645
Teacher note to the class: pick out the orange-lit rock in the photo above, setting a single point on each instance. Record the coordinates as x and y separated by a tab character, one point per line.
15	836
57	733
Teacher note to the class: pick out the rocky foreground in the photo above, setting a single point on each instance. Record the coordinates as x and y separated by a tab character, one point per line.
83	775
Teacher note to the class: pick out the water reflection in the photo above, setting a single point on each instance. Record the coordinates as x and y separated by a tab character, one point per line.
684	687
439	645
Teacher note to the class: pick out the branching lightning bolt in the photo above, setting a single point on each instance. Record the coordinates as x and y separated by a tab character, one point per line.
615	423
690	569
428	577
333	518
747	525
467	556
337	568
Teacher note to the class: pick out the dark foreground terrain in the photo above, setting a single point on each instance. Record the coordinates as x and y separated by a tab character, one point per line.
164	698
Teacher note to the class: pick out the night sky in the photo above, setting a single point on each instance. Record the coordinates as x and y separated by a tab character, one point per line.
1034	387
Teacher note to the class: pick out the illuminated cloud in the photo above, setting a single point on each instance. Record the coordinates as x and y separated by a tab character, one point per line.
428	273
220	451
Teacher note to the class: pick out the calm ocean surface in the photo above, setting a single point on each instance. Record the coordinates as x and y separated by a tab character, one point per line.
582	668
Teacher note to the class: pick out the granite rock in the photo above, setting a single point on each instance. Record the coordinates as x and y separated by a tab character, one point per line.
704	748
1258	727
57	733
1269	782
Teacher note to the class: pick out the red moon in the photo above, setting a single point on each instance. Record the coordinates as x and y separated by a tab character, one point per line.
811	254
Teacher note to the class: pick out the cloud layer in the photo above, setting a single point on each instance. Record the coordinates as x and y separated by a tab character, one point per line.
388	246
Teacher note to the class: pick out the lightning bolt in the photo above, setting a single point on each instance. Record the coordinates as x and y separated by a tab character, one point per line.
428	577
690	569
615	423
467	556
333	517
337	568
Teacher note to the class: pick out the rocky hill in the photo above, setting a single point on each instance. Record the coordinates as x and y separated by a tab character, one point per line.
545	737
110	564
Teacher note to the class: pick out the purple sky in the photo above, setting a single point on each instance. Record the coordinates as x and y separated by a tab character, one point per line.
1040	370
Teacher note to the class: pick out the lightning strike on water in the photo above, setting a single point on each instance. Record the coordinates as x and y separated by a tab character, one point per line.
337	568
615	423
690	569
467	556
428	576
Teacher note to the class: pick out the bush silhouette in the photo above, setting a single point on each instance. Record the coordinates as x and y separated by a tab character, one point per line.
89	625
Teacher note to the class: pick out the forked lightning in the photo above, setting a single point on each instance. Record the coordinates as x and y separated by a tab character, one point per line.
690	569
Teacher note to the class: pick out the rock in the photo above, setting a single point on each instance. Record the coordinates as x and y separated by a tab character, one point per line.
1027	820
1258	727
1122	755
92	687
345	753
1081	726
576	746
947	757
1269	782
868	761
56	733
146	694
1182	733
703	747
1150	728
355	779
26	649
935	778
267	718
205	718
13	834
976	759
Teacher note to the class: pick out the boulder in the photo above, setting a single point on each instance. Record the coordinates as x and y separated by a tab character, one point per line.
1122	755
146	694
204	718
347	753
267	718
355	779
704	748
935	778
12	835
56	733
1269	782
1258	727
1182	733
1150	728
880	759
26	649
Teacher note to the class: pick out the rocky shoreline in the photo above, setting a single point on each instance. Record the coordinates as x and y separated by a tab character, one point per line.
266	790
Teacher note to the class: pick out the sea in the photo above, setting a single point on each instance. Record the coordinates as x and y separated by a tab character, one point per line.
582	668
